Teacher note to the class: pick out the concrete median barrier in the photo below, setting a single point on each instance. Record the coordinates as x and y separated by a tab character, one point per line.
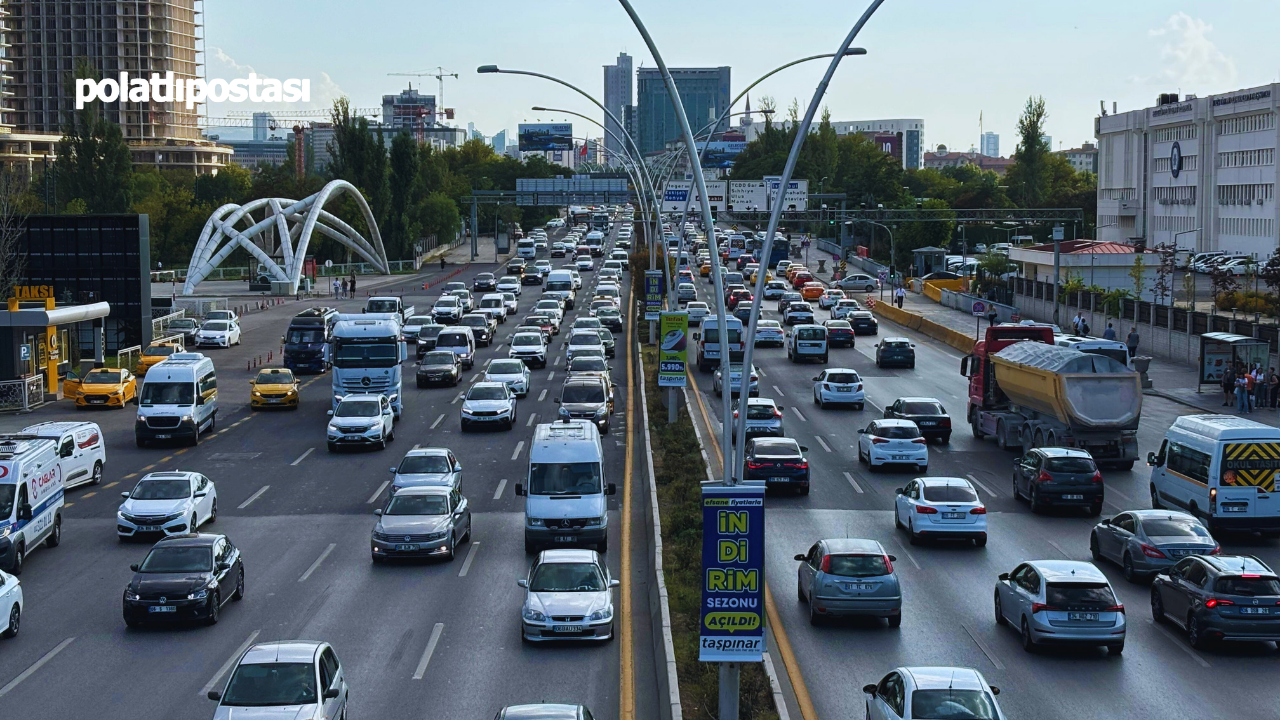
953	338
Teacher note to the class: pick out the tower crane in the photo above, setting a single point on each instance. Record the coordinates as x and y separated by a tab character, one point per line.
440	74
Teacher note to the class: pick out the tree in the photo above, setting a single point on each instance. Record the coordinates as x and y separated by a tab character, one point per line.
1138	274
398	236
13	262
1222	282
1270	273
1163	286
1029	177
94	163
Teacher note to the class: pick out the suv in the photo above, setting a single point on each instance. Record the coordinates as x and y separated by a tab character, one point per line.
483	327
586	398
1219	597
1053	476
896	351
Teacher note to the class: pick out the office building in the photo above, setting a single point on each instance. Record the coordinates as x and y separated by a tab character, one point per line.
262	123
617	96
409	110
990	144
704	93
1048	141
500	142
1198	171
1083	158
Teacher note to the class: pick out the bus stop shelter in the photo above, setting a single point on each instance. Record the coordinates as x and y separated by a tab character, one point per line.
1219	351
929	260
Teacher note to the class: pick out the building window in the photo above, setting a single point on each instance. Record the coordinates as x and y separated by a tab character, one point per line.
1247	124
1173	223
1247	158
1177	132
1189	162
1108	220
1181	195
1256	193
1249	227
1118	194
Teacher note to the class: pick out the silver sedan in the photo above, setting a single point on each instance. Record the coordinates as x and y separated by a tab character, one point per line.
1145	542
422	521
568	596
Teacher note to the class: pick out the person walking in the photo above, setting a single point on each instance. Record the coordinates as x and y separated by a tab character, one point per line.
442	264
1273	388
1259	388
1109	333
337	289
1132	342
344	287
1242	393
900	296
1228	384
1075	323
352	285
1084	327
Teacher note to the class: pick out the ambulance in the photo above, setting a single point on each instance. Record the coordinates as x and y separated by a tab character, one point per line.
31	498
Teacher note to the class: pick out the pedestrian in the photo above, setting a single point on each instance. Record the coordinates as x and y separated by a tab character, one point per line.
991	316
1109	333
1273	388
442	264
352	285
1132	342
1260	388
1084	327
1075	323
900	296
344	287
1242	393
336	289
1228	384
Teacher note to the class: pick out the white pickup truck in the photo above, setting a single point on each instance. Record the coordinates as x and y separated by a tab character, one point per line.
390	305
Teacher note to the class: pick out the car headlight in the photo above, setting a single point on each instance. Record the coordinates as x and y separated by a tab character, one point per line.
172	516
596	522
186	418
602	411
79	393
332	430
257	394
130	594
533	615
563	412
535	522
604	613
199	594
4	532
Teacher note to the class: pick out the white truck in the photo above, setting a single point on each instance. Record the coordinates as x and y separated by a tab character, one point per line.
366	352
390	305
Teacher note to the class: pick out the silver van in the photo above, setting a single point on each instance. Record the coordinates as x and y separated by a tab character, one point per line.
565	491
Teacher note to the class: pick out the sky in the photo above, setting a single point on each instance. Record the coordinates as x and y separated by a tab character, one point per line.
946	61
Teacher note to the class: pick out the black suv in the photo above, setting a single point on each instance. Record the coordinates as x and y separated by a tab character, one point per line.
1219	597
184	577
484	281
1053	476
928	415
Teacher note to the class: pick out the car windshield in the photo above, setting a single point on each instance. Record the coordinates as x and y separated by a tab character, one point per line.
776	448
182	324
418	505
922	408
547	305
172	489
215	326
177	559
491	303
423	465
591	323
1065	595
712	335
1247	586
453	339
487	392
439	358
950	493
837	325
592	393
526	339
305	336
587	364
357	408
271	684
419	320
447	302
429	331
475	321
1173	527
952	705
167	393
160	350
366	354
800	307
102	378
382	306
509	279
277	377
898	432
857	565
842	378
564	478
1070	465
506	367
567	577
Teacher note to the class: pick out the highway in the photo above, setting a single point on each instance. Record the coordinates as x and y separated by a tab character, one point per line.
948	616
418	640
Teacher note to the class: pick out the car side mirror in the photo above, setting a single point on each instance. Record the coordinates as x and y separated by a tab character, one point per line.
224	566
519	489
201	494
615	583
522	583
457	467
995	690
378	512
697	336
862	431
393	469
1002	576
557	401
134	567
898	491
214	695
330	693
869	689
24	512
1106	521
893	558
816	378
801	557
328	413
1151	459
611	489
804	449
124	494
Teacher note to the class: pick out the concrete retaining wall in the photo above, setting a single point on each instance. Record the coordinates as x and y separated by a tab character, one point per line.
964	303
937	331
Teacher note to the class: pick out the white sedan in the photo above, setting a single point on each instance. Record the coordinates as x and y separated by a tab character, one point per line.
838	385
509	284
941	507
830	298
10	605
893	441
218	333
167	503
513	372
769	332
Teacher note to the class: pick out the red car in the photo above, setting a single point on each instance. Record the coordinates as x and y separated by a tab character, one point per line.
739	296
800	279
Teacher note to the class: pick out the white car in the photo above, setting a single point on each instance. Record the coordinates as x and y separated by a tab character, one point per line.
829	298
542	266
361	420
433	466
447	310
10	605
488	403
577	277
509	284
941	507
774	289
511	301
844	308
893	441
686	292
911	693
566	584
167	503
218	333
514	373
697	311
769	332
529	348
550	306
229	315
285	680
409	331
584	263
582	339
838	385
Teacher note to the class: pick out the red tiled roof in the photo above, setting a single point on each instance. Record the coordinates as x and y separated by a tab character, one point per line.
1087	246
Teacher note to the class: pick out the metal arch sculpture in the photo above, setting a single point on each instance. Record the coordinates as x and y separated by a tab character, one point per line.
294	222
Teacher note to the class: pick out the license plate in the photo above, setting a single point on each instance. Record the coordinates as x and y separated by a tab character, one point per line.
1086	616
97	400
407	547
565	538
857	586
1235	508
779	479
273	400
928	422
148	528
899	457
1072	497
1255	610
162	609
844	388
566	628
351	437
952	516
165	436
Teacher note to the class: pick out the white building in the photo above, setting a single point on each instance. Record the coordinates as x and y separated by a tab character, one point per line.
1200	169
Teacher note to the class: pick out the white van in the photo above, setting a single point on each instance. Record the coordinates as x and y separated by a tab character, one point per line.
179	399
561	280
708	339
526	249
1222	469
565	490
31	498
807	342
82	451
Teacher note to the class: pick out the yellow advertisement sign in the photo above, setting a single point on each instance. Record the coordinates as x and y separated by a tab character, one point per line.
673	349
1251	464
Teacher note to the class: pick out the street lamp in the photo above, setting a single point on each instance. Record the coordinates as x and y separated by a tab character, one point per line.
892	250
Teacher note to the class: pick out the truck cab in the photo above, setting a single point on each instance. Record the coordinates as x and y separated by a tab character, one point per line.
366	352
305	339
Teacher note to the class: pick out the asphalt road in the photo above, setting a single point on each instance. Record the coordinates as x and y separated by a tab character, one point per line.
436	640
948	618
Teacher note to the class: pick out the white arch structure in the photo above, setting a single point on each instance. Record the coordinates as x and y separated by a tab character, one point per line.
294	221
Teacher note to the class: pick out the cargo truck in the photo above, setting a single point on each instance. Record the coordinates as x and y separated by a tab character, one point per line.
1028	392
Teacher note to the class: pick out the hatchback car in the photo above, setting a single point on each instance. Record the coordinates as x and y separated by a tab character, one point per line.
167	503
513	372
843	307
738	298
941	508
584	263
777	463
439	367
300	680
686	292
1219	598
273	388
412	326
610	317
419	522
517	266
764	417
927	413
485	281
1058	477
568	596
586	398
839	333
184	577
798	313
531	276
885	442
426	341
431	466
897	351
849	577
864	323
1063	602
580	340
829	298
361	420
465	298
488	403
586	366
1145	542
839	385
911	693
735	380
509	284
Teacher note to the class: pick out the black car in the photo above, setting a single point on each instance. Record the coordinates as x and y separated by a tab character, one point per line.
778	462
439	367
927	413
184	577
611	319
610	343
427	338
1053	477
482	327
864	324
742	312
484	281
531	278
839	333
896	351
516	267
1219	597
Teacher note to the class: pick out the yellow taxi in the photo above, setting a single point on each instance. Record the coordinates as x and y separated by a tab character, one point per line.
101	387
274	388
705	269
812	290
154	354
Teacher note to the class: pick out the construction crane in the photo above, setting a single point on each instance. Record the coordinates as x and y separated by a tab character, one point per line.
439	75
370	112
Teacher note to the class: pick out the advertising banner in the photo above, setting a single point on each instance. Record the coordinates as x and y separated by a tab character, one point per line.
673	352
722	154
731	626
542	137
652	294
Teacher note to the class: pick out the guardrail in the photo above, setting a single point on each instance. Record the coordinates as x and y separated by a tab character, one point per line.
160	324
23	394
128	357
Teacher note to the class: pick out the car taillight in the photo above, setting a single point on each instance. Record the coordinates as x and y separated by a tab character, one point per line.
859	387
826	563
826	386
878	441
1152	552
802	465
1037	607
777	413
735	413
1217	550
888	565
1116	608
1044	477
926	510
978	511
1097	477
1247	575
946	422
920	441
753	465
1215	602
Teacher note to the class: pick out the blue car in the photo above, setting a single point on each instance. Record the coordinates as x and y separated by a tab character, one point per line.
896	351
848	577
778	462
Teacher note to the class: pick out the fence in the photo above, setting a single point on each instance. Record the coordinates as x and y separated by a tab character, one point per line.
24	394
198	306
160	324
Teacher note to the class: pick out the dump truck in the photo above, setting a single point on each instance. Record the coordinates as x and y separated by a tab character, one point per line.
1027	392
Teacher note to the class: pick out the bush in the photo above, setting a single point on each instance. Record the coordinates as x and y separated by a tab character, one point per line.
1248	301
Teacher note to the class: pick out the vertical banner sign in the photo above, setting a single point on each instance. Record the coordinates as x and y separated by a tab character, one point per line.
673	351
731	628
652	294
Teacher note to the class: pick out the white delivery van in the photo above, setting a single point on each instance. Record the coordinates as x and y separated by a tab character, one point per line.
708	339
526	249
562	281
31	498
1222	469
565	491
82	451
178	400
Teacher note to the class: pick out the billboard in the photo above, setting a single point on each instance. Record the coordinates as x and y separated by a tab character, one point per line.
543	137
652	294
797	197
673	351
677	192
731	622
748	196
722	154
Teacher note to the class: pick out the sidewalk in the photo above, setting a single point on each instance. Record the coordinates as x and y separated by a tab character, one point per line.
1171	381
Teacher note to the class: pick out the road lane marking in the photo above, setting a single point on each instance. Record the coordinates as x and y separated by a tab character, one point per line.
302	457
230	661
426	654
823	443
542	395
145	469
533	417
1126	498
983	647
164	459
799	415
779	390
319	560
373	498
1176	641
252	497
788	658
130	475
456	399
35	666
502	485
110	485
471	554
853	482
1058	547
519	447
907	553
438	421
779	702
552	375
990	492
67	504
179	452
